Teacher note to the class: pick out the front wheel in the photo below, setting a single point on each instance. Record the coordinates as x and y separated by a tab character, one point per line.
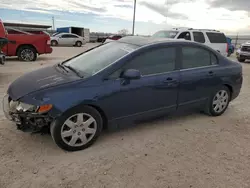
77	129
54	43
27	53
241	60
218	102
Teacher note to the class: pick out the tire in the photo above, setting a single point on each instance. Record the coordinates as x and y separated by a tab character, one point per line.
229	53
77	133
78	43
27	53
222	96
2	59
241	60
54	43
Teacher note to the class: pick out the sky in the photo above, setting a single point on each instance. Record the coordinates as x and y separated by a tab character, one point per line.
229	16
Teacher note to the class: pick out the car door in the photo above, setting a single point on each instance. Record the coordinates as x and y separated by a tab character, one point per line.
199	76
63	39
155	93
72	39
66	40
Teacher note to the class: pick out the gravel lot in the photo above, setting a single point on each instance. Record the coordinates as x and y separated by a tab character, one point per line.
190	150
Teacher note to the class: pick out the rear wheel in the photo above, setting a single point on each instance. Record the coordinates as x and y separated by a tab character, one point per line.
27	53
218	102
77	129
78	43
241	59
2	59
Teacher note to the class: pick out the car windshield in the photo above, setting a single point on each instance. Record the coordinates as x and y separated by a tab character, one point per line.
95	60
165	34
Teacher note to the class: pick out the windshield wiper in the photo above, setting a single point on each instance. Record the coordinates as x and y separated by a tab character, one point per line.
62	67
73	70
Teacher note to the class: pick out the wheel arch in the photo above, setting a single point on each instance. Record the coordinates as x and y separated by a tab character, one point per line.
230	89
96	107
23	45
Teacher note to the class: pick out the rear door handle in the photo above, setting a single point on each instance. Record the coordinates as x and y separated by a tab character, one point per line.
170	81
210	73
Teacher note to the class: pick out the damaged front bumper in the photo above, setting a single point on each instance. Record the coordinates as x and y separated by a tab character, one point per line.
26	121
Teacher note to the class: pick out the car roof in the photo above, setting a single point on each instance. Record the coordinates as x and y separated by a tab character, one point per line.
144	41
66	34
246	44
191	29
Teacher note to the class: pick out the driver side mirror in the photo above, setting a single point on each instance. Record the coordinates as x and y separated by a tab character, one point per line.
131	74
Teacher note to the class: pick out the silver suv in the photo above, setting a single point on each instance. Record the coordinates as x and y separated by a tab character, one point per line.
243	53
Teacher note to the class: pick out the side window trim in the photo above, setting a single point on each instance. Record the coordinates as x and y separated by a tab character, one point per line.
177	61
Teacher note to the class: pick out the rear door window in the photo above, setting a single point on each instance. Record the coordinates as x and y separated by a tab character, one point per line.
199	37
217	37
194	57
69	36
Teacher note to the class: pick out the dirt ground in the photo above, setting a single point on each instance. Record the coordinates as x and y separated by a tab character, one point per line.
191	150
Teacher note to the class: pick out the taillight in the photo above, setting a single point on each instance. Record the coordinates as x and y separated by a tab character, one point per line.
48	42
227	47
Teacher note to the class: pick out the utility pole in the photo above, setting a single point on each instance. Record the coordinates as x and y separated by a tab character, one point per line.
133	29
53	22
166	4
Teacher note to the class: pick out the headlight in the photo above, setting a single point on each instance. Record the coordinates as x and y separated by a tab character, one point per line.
16	106
26	107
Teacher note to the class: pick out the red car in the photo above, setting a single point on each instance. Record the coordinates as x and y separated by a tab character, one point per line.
26	46
114	37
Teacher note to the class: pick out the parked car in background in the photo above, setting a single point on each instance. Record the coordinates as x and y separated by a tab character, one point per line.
243	53
212	38
26	46
230	47
112	37
120	82
67	39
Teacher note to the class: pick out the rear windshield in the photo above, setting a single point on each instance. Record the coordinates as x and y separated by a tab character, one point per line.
165	34
99	58
217	37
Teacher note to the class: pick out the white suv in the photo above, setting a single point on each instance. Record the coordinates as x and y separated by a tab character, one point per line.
212	38
243	53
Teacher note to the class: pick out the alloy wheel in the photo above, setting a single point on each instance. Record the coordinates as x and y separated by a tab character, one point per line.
27	55
220	101
78	129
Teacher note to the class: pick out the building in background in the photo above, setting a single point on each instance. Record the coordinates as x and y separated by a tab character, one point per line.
84	32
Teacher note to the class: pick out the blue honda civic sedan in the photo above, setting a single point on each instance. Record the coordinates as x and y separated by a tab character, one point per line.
120	82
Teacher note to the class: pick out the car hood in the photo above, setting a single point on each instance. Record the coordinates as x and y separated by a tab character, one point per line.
39	80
